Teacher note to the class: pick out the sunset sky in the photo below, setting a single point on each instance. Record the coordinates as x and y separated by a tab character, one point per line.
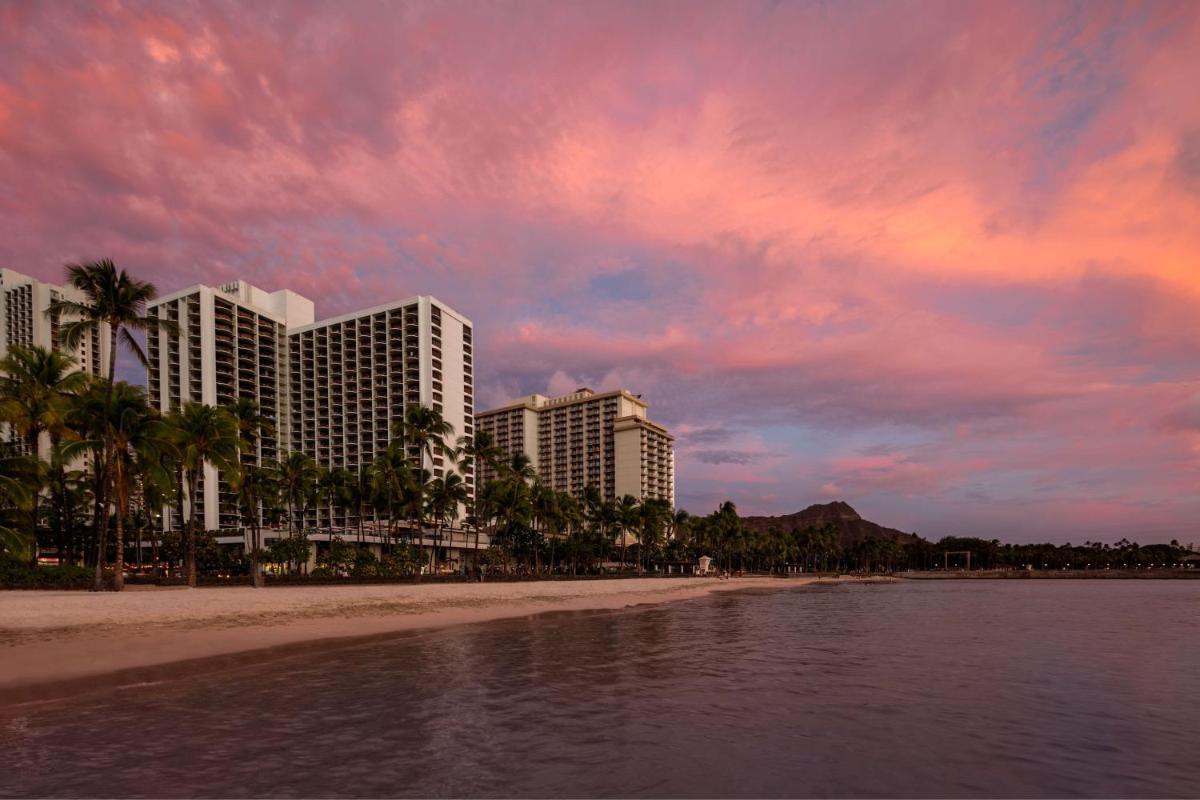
941	261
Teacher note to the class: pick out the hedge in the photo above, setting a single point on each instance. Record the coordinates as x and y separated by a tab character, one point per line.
17	574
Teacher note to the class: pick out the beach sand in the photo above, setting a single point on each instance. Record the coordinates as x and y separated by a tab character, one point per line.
55	643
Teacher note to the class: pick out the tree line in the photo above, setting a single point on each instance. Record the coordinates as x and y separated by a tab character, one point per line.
114	462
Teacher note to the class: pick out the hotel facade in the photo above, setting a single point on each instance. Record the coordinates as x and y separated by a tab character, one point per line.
332	388
24	303
587	439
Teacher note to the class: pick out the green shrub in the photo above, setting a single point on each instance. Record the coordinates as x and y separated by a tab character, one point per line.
17	574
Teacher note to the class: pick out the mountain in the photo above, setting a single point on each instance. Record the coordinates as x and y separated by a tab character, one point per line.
850	526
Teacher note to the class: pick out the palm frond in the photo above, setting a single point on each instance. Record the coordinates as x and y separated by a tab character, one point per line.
72	333
134	346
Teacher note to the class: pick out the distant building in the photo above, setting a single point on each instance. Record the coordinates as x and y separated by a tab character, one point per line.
587	439
333	388
24	302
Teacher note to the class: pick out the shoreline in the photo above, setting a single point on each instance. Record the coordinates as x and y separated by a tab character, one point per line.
60	644
1158	574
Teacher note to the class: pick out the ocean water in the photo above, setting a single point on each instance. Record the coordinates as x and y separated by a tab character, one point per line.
921	689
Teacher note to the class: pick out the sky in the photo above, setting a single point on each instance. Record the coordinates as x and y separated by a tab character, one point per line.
938	260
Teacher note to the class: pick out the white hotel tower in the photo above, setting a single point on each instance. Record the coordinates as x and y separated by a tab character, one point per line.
23	321
333	388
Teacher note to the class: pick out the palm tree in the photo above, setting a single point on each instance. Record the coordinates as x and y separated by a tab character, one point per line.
141	441
543	503
359	497
571	518
445	496
36	385
252	424
656	515
14	502
334	486
424	430
627	519
89	419
487	507
479	453
298	475
116	301
600	516
203	435
391	484
112	298
257	488
158	486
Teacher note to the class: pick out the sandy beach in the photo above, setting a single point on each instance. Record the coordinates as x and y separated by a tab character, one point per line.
68	640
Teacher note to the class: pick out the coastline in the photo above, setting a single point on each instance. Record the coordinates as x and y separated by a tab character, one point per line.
55	644
1162	573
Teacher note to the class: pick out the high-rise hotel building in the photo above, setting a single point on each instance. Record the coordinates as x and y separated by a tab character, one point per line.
587	439
231	343
24	302
351	378
332	389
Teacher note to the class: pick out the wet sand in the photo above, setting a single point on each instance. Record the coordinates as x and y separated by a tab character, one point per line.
59	638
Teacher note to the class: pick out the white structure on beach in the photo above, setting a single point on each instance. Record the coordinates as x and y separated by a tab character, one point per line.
333	388
586	439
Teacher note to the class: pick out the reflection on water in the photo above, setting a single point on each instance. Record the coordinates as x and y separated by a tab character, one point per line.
977	689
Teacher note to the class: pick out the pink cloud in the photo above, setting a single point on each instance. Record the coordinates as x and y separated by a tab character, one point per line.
970	231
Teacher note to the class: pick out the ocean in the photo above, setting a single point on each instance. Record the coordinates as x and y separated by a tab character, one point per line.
973	688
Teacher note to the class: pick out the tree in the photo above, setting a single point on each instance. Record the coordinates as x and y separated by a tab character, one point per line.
424	431
14	503
36	385
358	497
478	455
291	549
141	442
298	475
543	507
656	515
445	496
334	487
252	424
391	484
257	489
202	434
116	301
628	512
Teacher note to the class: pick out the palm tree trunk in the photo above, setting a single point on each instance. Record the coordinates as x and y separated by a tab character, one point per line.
256	577
193	487
119	560
139	548
100	521
154	553
32	440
